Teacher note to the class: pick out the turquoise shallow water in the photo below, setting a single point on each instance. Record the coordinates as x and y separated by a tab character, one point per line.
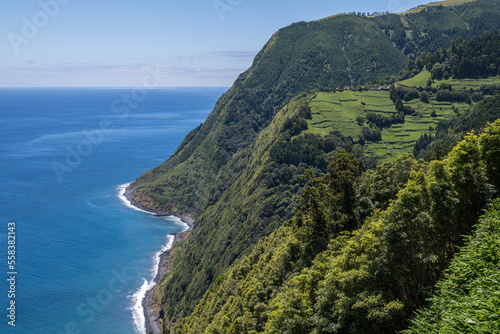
81	254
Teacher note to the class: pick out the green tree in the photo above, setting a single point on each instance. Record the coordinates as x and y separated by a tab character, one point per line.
328	204
424	97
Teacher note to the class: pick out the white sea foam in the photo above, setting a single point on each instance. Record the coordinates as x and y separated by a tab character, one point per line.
137	308
138	297
156	258
121	194
180	222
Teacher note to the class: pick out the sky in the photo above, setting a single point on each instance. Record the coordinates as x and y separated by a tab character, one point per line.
190	43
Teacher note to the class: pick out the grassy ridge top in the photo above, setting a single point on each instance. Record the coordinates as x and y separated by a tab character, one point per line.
446	3
420	80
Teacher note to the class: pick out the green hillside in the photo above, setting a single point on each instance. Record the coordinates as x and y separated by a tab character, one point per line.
198	179
341	50
240	172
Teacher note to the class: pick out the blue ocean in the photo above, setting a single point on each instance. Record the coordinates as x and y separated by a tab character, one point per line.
81	254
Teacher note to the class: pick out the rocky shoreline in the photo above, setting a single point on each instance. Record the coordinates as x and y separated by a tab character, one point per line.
152	321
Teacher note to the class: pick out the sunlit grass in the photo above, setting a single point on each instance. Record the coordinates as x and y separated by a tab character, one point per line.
340	110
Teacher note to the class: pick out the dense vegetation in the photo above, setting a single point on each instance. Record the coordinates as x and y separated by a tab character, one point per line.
239	173
478	57
467	300
310	149
370	281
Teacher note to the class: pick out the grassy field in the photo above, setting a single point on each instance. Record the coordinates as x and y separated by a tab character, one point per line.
420	80
339	111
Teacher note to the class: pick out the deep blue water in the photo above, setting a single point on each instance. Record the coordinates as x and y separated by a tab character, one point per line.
80	252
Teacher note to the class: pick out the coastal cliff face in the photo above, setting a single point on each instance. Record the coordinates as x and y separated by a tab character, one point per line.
224	173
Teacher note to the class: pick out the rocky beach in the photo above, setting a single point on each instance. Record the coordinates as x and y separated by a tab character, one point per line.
151	318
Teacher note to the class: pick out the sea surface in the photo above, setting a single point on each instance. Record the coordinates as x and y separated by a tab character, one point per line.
82	255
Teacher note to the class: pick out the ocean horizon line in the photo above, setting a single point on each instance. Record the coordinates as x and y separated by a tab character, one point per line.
114	87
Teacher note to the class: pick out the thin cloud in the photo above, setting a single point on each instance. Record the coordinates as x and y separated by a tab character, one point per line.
236	54
106	75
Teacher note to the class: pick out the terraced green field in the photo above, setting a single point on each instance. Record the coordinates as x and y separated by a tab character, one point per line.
339	111
420	80
467	83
